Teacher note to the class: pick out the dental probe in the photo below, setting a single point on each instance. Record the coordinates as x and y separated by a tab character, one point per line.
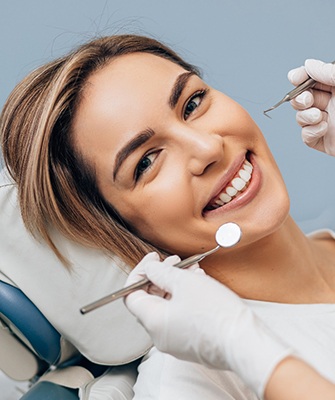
226	236
307	84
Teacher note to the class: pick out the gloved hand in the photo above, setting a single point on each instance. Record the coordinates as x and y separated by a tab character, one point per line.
316	107
203	321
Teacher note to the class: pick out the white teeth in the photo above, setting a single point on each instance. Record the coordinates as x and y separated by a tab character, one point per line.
231	191
238	183
247	168
244	175
225	197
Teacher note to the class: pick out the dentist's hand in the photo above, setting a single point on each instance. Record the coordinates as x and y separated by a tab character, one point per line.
200	320
316	107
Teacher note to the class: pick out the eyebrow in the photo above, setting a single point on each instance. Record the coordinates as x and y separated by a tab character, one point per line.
178	87
139	140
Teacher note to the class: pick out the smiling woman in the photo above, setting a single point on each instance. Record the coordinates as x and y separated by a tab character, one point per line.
158	171
122	146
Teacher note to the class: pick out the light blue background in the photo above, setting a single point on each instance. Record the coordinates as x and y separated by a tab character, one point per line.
245	49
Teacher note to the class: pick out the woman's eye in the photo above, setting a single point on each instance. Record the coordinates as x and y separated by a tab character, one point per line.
193	103
144	164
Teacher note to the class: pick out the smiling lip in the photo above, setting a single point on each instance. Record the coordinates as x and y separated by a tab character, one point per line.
245	196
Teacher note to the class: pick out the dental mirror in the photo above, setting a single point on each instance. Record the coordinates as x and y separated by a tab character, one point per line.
227	235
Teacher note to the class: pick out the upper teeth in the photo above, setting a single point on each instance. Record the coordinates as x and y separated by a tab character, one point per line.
236	186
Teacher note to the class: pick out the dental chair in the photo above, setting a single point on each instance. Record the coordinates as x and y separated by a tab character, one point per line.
44	340
30	345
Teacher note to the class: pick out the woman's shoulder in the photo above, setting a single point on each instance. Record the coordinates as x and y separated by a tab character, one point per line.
325	238
323	234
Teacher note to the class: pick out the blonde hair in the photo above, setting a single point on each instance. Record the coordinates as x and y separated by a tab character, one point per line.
56	187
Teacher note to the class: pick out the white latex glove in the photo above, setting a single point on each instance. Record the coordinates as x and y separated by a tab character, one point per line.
316	107
203	321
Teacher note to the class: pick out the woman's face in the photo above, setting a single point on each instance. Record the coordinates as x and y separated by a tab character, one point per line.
173	155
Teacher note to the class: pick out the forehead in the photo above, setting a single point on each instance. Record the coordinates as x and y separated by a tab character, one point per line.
128	74
125	91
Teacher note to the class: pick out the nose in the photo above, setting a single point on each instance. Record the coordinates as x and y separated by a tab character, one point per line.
203	149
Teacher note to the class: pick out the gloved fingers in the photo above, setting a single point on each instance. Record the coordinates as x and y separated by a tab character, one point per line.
138	272
321	99
164	276
156	291
329	144
145	307
313	135
297	75
311	116
320	71
153	256
137	295
171	260
315	98
323	73
197	270
303	101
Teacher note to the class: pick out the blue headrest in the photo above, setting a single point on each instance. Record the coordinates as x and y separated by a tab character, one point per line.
28	319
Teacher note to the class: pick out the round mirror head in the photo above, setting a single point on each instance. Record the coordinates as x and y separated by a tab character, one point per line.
228	235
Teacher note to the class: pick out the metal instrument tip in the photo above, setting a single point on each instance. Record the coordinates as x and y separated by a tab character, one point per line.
266	112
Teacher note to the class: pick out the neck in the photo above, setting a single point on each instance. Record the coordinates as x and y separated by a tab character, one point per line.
285	267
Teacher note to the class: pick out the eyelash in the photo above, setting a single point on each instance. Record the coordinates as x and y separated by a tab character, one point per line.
138	172
201	94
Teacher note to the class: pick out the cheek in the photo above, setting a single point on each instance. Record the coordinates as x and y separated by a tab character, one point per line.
156	212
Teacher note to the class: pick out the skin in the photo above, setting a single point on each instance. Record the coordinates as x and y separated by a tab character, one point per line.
189	157
295	380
